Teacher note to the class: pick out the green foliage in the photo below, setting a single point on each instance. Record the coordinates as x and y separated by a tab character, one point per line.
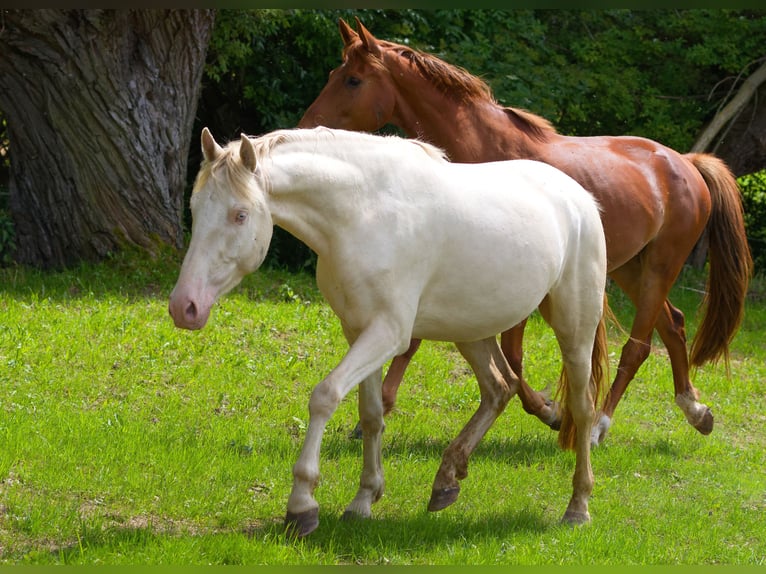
661	74
654	73
753	188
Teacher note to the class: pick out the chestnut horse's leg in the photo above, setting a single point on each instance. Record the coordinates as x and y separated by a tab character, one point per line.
497	384
391	382
671	329
648	290
533	402
648	302
395	374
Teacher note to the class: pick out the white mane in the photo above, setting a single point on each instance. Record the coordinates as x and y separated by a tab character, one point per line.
265	145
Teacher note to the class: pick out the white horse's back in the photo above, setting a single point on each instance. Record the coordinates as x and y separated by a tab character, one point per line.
514	223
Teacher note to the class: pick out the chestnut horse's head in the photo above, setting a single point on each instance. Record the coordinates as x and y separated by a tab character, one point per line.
360	94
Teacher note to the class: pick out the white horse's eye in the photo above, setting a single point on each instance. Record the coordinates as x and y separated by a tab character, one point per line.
240	217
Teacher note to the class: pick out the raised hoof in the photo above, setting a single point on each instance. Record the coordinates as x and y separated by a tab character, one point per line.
442	498
555	422
356	432
574	518
599	430
705	424
301	524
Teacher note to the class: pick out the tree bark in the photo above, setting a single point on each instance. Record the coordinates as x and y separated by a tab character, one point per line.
100	106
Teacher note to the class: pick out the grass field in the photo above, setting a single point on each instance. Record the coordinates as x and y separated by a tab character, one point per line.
127	441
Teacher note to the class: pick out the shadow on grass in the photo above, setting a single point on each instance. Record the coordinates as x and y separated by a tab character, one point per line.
364	540
336	540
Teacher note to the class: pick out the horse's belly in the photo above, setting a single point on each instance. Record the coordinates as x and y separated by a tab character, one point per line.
472	306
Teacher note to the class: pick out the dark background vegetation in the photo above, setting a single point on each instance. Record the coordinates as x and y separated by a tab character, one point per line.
663	74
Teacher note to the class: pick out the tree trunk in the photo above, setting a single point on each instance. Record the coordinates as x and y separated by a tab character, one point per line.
100	106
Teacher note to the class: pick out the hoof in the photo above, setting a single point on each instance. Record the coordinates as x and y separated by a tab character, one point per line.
442	498
301	524
356	432
554	423
553	419
574	518
349	516
705	424
599	430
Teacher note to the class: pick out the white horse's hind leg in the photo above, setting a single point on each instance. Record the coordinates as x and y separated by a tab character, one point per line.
497	384
371	483
580	403
574	314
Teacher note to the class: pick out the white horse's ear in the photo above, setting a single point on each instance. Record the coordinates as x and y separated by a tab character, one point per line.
247	152
369	41
346	32
210	149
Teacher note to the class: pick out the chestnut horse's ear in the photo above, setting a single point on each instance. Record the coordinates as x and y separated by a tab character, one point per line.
346	32
368	40
247	152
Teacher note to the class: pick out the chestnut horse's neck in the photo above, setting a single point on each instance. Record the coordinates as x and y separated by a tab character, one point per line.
449	107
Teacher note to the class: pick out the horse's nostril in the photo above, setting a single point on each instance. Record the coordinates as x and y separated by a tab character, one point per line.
191	311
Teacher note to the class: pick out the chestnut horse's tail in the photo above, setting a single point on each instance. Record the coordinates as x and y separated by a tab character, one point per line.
599	366
731	264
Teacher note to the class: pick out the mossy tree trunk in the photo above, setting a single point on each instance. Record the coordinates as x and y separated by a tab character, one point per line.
100	106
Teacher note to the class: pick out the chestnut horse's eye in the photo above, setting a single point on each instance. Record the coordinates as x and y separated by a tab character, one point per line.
353	81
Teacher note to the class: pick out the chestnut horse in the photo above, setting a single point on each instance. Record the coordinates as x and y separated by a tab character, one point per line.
655	204
408	245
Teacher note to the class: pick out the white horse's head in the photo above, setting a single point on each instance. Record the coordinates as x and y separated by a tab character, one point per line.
231	230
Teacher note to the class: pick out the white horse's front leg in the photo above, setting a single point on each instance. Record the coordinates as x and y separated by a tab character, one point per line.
371	484
362	361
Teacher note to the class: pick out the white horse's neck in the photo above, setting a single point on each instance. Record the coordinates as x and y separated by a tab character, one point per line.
321	184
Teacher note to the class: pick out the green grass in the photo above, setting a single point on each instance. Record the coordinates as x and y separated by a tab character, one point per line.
128	441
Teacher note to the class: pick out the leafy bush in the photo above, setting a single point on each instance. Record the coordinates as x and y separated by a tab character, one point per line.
753	188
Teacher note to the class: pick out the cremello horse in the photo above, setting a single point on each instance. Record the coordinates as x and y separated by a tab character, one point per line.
408	245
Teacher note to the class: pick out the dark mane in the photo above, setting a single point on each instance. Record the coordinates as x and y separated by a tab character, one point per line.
456	82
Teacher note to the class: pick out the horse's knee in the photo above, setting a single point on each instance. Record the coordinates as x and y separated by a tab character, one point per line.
637	351
323	401
679	322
